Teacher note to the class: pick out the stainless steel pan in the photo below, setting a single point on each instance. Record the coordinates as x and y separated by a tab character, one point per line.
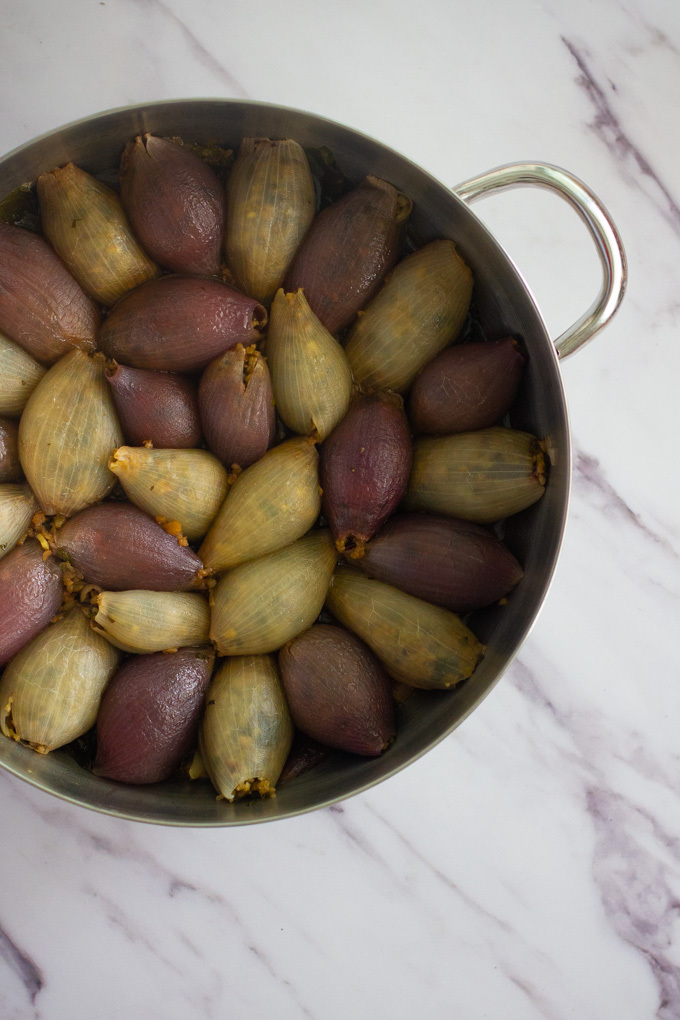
505	305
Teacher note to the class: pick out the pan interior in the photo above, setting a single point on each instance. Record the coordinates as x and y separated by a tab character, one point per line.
504	306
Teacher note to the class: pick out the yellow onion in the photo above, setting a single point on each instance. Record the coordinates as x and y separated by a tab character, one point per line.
19	375
50	691
188	486
479	476
85	223
17	506
311	379
419	644
67	433
152	621
260	605
419	311
270	205
247	731
270	505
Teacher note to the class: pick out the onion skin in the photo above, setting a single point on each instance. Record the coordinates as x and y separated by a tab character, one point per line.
480	476
10	466
270	206
17	506
420	310
337	691
364	468
246	732
20	373
42	308
85	223
271	504
179	324
236	407
465	388
152	621
51	690
67	433
310	376
187	486
175	203
419	644
118	547
348	251
260	605
155	407
452	563
30	595
150	713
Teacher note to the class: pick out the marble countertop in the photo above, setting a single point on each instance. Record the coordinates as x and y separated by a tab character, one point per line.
529	866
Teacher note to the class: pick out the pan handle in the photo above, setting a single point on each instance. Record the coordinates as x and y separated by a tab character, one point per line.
595	217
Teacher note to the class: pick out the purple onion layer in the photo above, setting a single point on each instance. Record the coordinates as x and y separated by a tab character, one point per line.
364	468
452	563
149	715
175	203
466	388
179	324
156	406
42	308
30	595
119	548
337	690
237	407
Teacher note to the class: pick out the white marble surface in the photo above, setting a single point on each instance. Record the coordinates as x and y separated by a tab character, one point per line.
529	866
